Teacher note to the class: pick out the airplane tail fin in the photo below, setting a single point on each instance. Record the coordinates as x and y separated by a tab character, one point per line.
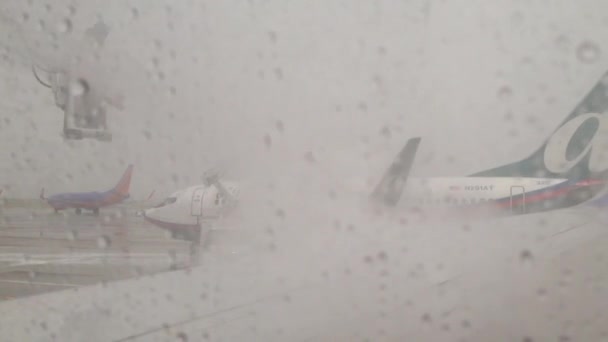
389	189
576	150
122	187
42	197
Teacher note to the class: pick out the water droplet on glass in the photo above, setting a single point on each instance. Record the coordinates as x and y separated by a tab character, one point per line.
106	219
72	235
98	33
309	157
267	141
505	93
604	81
272	36
541	292
562	42
526	256
104	242
588	52
78	87
517	17
71	10
540	174
426	318
64	26
386	132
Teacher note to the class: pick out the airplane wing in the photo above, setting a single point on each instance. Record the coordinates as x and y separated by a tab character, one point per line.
389	189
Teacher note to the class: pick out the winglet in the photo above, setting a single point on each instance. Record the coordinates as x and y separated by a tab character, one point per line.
389	189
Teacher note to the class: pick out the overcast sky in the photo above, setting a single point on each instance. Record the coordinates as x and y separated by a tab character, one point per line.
256	86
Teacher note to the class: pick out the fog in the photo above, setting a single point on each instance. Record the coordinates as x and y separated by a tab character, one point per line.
307	103
204	84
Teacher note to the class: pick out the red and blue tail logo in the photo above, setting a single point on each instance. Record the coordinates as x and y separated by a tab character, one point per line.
122	188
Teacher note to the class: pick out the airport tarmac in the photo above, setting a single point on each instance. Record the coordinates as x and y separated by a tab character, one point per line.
41	251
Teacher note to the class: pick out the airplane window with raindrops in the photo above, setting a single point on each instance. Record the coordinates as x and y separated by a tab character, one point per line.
278	170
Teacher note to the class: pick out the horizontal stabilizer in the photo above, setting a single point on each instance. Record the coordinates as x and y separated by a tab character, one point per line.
389	189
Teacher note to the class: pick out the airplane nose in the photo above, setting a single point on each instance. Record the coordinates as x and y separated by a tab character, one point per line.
149	213
152	216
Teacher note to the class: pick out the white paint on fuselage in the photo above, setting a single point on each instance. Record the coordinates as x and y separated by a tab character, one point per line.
179	209
448	190
421	193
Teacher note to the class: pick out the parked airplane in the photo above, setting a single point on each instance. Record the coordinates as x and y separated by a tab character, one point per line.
184	211
92	200
568	169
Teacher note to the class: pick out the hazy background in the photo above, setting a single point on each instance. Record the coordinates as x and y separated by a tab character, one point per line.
258	85
300	100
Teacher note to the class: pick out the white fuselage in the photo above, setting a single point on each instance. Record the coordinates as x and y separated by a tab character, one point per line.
462	190
186	208
189	206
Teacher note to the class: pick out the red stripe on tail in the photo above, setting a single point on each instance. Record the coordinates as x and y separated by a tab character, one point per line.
125	182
